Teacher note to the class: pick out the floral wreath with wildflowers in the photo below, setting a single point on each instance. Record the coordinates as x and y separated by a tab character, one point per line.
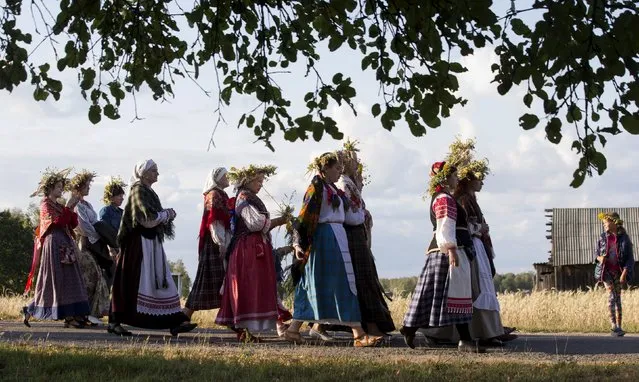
461	152
50	177
612	216
439	173
240	176
477	169
333	196
115	184
80	179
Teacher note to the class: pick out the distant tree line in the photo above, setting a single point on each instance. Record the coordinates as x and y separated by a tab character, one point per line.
508	282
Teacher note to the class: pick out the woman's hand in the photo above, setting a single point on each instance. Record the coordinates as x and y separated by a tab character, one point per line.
453	259
623	277
601	259
73	201
299	253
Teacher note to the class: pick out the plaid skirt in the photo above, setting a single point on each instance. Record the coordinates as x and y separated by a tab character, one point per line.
369	290
428	303
60	291
205	293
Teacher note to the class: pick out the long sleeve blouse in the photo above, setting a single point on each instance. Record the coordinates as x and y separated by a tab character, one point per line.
445	209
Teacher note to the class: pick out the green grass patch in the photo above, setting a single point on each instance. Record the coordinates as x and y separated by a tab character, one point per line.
58	362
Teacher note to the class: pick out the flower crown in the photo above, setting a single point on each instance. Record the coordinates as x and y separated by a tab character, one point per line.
477	169
50	177
439	173
460	153
80	179
351	145
321	161
243	175
115	184
612	216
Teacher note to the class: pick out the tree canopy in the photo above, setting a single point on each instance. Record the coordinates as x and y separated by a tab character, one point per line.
16	249
577	60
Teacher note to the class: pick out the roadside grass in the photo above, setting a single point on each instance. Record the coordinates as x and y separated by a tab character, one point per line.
22	362
547	311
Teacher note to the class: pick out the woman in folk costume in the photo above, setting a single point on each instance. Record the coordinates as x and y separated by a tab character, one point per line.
113	198
214	239
249	298
144	294
443	294
326	291
94	258
376	316
60	293
111	216
615	264
486	324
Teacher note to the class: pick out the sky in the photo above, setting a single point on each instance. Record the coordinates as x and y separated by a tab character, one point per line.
529	174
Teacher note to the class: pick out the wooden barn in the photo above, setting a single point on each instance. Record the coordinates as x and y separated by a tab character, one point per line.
573	234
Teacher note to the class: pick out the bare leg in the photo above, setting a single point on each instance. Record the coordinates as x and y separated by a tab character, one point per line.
364	340
188	312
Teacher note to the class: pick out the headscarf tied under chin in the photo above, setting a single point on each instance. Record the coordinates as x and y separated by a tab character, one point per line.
213	179
140	168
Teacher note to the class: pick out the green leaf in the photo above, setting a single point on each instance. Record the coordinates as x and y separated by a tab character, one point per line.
376	110
40	94
95	114
553	130
578	178
250	121
520	28
528	121
111	112
599	161
528	99
630	123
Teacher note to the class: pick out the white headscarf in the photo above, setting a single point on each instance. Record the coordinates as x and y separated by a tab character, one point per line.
140	168
213	179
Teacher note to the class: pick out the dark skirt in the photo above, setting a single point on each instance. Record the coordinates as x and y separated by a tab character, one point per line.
205	293
369	290
428	302
125	291
60	291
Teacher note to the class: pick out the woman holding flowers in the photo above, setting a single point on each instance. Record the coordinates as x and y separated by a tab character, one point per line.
249	297
60	293
326	291
443	295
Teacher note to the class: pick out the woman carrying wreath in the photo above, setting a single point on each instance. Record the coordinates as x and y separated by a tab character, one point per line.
214	238
443	294
60	293
249	297
326	292
144	294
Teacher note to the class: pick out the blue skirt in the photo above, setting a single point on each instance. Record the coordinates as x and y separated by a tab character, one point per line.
323	294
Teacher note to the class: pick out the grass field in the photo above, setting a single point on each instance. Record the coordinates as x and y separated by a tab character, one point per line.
550	311
21	362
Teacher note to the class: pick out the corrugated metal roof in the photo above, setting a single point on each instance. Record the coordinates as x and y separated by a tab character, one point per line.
575	232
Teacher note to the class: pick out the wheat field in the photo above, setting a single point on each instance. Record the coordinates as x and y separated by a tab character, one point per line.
547	311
